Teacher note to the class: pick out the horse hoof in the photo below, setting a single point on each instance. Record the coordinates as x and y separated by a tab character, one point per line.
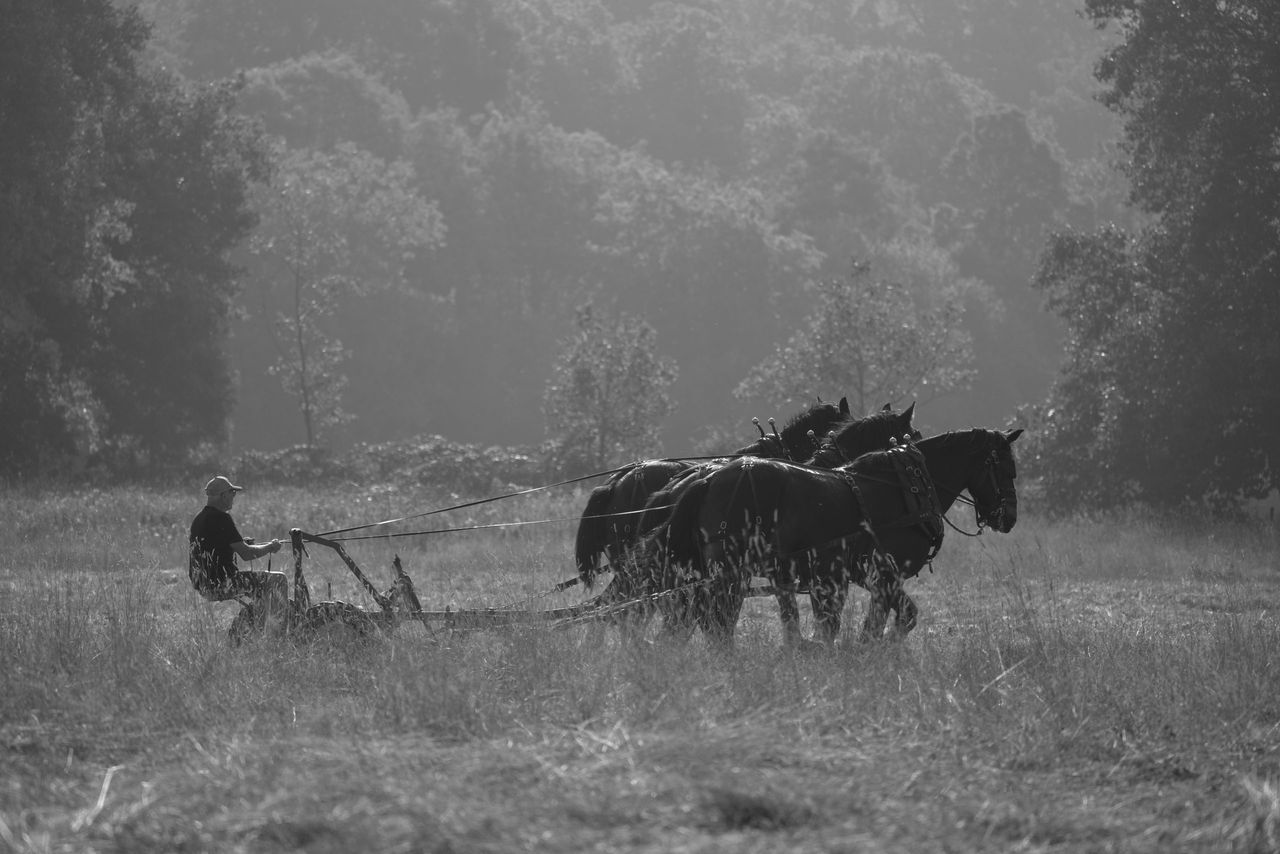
803	646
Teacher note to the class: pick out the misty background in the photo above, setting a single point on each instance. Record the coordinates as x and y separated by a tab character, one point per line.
697	165
233	226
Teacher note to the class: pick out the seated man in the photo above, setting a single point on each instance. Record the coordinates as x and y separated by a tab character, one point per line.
215	544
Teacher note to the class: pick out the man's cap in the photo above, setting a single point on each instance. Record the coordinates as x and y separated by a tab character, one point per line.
219	485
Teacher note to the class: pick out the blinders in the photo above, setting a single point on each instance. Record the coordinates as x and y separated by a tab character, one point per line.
998	472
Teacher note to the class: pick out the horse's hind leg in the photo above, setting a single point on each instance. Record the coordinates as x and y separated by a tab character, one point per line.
828	599
789	614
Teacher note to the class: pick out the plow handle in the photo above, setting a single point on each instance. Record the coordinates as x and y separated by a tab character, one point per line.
301	594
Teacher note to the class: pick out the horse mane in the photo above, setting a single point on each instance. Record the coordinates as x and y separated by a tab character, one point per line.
869	462
952	436
875	429
826	415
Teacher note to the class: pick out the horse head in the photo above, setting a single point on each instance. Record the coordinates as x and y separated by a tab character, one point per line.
991	481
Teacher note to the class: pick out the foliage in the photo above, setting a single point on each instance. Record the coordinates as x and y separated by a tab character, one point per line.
333	222
1100	438
692	164
321	100
607	393
866	337
121	194
437	53
1194	298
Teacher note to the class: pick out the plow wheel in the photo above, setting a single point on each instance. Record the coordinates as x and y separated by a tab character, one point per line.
248	623
335	620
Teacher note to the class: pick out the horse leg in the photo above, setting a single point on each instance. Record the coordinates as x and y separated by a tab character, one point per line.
719	608
828	598
905	614
881	577
789	613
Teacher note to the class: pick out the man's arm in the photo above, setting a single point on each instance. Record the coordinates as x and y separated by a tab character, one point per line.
248	550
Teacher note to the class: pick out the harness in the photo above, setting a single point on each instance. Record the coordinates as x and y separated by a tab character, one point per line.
923	509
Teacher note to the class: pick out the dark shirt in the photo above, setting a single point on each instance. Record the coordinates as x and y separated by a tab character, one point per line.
213	562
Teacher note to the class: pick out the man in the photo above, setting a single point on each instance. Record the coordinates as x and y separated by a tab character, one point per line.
215	544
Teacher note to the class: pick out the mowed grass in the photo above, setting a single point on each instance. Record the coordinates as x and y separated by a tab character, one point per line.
1107	685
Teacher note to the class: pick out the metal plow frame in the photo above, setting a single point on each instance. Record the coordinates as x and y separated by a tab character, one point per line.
401	602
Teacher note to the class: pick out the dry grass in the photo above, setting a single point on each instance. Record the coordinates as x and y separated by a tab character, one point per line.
1072	687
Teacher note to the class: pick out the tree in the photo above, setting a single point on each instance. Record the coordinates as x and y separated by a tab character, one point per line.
1101	438
866	338
320	100
333	223
1198	288
686	101
607	392
121	192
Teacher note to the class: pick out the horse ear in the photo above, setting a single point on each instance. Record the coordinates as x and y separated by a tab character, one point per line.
1012	435
910	411
844	405
888	407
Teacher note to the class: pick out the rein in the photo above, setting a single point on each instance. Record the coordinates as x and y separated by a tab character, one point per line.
490	526
529	491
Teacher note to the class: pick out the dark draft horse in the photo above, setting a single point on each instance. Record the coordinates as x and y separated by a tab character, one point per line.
609	522
634	565
874	522
852	439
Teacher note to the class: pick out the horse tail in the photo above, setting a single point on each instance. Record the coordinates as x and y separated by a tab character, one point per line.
593	532
684	542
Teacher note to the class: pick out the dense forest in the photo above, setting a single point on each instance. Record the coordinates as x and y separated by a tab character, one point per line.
232	225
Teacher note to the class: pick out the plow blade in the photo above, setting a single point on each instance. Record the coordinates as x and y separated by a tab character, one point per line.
489	618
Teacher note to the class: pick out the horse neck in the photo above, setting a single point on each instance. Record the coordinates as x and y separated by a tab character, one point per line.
949	458
863	437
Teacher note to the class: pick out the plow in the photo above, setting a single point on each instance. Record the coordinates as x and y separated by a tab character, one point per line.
396	605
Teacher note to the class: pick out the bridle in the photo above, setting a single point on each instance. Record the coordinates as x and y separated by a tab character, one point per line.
992	518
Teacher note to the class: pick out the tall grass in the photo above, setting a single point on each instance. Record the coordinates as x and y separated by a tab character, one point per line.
1146	648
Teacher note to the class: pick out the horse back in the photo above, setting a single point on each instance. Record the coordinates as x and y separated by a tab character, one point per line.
609	522
766	507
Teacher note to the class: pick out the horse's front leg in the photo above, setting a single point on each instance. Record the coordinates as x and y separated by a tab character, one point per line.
783	576
883	584
789	614
828	599
905	611
719	608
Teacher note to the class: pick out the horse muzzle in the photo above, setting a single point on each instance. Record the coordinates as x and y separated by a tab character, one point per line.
1003	518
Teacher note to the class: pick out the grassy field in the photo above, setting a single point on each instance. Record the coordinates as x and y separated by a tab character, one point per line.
1084	686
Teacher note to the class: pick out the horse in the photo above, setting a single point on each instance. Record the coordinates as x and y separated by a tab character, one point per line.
608	523
842	445
875	522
